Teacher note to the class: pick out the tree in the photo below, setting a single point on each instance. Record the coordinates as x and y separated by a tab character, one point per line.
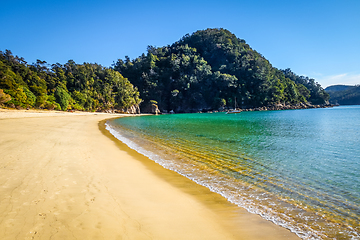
62	97
125	95
219	103
315	94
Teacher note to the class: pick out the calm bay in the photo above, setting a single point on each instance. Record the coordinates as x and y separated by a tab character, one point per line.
297	168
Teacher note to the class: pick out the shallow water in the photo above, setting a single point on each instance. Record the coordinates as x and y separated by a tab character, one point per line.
297	168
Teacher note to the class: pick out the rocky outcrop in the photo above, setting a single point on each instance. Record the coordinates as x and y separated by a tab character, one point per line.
287	107
135	109
151	107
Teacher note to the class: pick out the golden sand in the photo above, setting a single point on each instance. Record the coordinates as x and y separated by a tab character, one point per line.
63	176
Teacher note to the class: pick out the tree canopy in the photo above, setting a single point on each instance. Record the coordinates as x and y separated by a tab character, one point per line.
85	86
209	69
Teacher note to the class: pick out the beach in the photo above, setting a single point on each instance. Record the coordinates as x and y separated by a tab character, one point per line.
63	176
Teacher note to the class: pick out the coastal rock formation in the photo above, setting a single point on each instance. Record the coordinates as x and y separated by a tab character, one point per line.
135	109
288	107
265	108
151	107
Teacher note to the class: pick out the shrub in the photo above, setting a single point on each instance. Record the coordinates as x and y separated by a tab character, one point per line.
4	97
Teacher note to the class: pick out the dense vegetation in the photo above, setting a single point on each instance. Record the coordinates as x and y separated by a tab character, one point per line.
85	86
209	69
344	95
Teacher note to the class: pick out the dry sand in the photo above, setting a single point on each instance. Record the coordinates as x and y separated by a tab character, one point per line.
63	176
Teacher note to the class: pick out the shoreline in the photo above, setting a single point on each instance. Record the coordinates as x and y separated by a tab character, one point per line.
66	176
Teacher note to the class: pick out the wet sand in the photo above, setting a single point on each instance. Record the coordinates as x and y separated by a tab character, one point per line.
63	176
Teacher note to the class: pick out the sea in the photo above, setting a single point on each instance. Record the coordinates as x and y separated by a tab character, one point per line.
297	168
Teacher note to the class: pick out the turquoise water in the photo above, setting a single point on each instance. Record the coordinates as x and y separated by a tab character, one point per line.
297	168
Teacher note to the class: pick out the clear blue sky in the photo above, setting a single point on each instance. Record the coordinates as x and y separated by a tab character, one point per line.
315	38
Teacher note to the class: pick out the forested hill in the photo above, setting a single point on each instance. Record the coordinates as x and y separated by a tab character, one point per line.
208	69
89	87
344	95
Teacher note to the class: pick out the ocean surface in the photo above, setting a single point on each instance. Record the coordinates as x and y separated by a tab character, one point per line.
297	168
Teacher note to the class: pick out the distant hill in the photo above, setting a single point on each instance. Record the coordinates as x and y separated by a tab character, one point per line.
336	88
344	95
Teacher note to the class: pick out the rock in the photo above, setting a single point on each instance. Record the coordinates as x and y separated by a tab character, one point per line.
151	108
135	109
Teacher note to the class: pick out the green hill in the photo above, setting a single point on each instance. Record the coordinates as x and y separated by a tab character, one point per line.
344	95
209	69
337	88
